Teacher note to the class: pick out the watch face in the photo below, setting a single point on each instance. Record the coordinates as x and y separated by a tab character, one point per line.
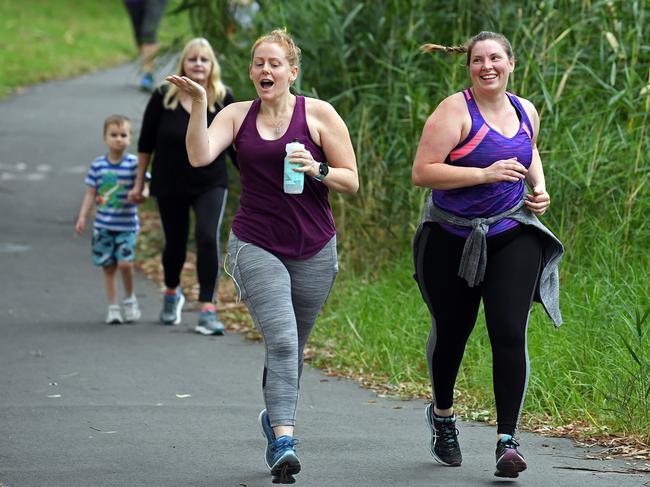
323	169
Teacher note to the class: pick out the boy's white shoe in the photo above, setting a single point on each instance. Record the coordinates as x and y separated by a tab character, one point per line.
131	309
114	315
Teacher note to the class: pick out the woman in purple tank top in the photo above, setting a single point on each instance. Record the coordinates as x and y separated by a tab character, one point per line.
282	249
477	153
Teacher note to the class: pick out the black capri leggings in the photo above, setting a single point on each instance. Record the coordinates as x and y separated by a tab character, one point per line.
145	19
507	290
175	217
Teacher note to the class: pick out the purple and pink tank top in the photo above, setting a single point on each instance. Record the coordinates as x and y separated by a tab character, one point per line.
296	226
482	147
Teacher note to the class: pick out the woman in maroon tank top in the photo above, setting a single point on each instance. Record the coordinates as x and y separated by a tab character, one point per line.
477	152
282	249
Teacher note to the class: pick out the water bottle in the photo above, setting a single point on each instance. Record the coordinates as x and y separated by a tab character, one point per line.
293	181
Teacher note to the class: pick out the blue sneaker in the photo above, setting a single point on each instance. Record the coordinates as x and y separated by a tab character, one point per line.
268	433
444	439
209	324
282	460
146	84
509	461
172	307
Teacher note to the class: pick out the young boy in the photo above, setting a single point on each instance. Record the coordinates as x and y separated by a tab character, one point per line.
109	180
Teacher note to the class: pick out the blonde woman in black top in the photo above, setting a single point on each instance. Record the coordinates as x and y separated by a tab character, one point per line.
178	187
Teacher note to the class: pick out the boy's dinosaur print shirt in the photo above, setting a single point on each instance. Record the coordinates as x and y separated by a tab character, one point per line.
113	183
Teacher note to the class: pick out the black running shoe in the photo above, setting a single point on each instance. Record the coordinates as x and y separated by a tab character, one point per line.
444	439
509	461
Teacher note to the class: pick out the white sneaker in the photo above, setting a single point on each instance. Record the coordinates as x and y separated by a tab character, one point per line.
131	309
114	316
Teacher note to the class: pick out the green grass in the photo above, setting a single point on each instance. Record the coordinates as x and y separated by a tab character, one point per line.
42	40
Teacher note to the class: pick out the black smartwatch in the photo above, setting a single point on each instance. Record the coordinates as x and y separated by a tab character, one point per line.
323	170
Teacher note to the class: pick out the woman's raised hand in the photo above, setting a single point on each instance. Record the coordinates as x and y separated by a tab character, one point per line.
186	85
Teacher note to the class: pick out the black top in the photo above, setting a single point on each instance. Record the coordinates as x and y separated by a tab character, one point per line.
163	134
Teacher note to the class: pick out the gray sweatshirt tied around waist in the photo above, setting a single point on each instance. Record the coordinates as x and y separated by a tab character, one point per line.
474	259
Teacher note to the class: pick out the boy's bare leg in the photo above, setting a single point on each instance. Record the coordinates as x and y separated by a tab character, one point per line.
126	269
110	283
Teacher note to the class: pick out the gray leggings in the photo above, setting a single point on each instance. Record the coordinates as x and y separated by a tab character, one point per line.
284	297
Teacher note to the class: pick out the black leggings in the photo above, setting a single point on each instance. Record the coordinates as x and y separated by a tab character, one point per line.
507	290
175	217
145	19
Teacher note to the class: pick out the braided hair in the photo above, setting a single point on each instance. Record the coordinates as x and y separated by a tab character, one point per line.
469	45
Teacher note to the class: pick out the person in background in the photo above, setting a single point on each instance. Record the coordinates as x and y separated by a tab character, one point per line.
480	239
116	224
145	18
179	188
282	248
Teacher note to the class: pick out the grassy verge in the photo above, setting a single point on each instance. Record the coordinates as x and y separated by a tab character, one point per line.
42	40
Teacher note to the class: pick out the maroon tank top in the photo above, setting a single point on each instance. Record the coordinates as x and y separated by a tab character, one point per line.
289	225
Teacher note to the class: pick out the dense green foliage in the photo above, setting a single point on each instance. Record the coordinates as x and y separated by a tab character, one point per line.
585	65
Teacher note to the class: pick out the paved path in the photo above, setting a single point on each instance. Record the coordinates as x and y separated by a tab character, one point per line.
85	404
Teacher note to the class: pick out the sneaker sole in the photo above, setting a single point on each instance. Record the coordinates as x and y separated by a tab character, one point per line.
434	438
286	467
114	322
181	302
133	318
509	465
208	332
283	477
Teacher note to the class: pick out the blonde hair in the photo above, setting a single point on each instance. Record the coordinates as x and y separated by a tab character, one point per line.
119	120
469	45
216	90
281	37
